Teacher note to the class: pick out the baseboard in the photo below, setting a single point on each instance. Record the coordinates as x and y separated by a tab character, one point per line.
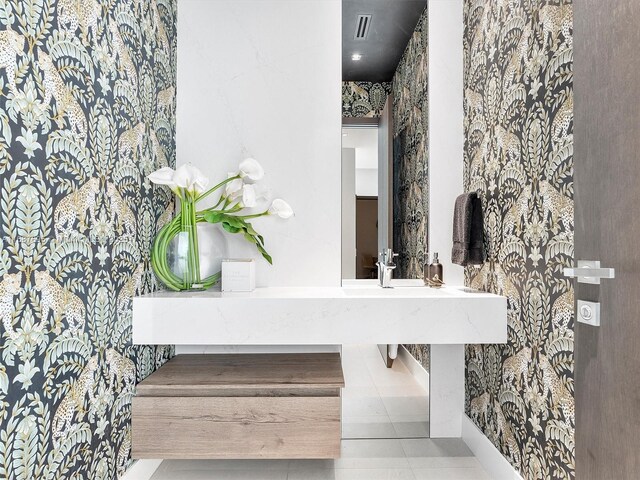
487	454
417	370
141	470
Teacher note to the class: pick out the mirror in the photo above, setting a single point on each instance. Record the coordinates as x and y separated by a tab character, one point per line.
384	137
384	202
360	201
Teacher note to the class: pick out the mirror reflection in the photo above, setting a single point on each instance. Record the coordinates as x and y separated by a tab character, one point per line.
385	139
360	202
385	203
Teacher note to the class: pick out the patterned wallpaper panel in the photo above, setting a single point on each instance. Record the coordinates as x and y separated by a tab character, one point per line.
519	157
422	353
364	99
87	110
411	162
411	154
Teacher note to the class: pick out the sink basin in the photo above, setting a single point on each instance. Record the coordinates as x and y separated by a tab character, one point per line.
401	288
395	282
411	292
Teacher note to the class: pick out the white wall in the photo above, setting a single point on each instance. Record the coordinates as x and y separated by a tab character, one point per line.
262	78
366	182
446	135
349	213
365	142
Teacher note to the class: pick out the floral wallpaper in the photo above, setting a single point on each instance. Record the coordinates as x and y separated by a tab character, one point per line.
411	162
364	99
87	110
422	353
519	156
411	154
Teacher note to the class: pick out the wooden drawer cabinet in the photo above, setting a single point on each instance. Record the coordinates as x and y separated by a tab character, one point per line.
240	406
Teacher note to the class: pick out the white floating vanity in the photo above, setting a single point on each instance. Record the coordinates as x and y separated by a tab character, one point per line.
321	316
359	313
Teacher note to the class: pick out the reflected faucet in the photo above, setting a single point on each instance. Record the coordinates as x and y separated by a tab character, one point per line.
386	266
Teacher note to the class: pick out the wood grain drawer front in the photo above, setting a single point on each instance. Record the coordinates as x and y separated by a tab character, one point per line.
236	427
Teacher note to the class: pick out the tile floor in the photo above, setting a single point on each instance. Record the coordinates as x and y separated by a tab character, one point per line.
385	420
381	402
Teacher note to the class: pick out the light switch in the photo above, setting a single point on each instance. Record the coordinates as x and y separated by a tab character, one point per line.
589	313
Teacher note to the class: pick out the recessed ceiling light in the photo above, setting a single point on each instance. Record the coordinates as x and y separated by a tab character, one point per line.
345	134
356	57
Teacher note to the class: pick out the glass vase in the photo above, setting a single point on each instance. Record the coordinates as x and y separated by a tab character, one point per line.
188	251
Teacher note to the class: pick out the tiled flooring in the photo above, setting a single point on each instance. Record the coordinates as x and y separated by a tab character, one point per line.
382	410
375	459
381	402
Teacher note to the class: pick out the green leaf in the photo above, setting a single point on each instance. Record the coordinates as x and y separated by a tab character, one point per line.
213	217
235	221
230	228
233	224
250	229
264	253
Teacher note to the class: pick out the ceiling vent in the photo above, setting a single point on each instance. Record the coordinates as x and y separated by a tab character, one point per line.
363	22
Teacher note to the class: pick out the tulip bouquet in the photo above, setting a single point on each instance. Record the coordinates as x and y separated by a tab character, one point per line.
237	193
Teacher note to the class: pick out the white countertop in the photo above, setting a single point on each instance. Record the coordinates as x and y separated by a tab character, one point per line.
286	293
356	313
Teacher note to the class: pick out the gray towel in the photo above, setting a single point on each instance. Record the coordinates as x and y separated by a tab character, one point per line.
468	244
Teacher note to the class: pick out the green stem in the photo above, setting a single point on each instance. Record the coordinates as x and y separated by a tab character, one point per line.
255	215
159	256
214	210
189	226
216	187
196	244
222	198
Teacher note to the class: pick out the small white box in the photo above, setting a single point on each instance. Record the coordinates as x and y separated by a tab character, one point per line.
238	275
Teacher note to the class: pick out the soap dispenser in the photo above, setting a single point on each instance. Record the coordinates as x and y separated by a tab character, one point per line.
435	275
425	271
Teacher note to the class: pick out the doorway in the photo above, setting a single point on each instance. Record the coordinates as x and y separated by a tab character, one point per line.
359	202
366	237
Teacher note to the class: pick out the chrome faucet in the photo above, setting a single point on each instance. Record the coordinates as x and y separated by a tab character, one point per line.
386	266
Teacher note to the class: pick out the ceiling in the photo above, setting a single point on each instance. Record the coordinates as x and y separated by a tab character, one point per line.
391	27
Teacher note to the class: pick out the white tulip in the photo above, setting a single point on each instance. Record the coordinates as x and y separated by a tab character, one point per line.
233	189
164	176
249	197
280	208
251	170
191	179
